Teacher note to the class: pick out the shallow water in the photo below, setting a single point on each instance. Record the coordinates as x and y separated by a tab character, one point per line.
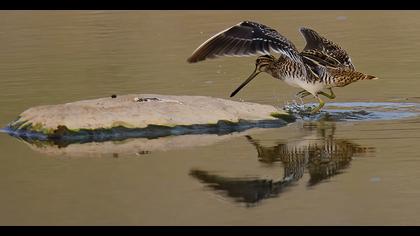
357	163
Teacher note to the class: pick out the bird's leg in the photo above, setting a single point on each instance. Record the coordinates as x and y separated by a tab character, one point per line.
302	94
330	96
317	109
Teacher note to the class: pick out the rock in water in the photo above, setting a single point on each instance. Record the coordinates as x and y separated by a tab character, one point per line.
143	115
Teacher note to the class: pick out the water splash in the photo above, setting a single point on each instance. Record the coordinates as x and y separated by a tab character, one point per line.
355	111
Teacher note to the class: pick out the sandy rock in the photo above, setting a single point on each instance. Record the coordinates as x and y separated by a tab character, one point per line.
137	111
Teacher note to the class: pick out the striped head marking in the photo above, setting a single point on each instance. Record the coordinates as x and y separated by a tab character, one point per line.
263	62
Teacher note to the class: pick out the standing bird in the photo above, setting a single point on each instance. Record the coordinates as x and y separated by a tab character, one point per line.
321	65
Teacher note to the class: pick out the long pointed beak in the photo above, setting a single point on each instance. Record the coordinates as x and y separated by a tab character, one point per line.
252	76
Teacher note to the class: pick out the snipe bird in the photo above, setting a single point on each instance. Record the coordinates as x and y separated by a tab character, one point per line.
322	64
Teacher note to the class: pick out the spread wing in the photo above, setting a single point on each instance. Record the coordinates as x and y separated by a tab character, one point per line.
245	39
323	51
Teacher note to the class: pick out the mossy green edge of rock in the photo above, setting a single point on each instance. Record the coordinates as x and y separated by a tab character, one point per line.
150	113
284	116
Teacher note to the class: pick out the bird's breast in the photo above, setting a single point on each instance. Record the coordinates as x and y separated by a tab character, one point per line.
293	81
302	82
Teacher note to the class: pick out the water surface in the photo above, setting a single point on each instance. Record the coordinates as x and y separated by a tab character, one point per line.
356	164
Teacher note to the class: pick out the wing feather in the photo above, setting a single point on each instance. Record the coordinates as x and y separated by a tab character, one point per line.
245	39
326	52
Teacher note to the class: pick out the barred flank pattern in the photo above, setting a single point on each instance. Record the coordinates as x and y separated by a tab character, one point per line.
343	77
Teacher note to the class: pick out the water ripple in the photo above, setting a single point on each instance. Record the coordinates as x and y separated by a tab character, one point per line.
356	111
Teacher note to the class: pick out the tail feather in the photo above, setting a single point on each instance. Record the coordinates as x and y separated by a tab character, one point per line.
343	77
371	77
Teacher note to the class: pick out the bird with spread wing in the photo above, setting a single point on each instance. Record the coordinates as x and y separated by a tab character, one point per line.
322	64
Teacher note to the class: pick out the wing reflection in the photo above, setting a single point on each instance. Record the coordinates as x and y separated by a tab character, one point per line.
317	153
247	190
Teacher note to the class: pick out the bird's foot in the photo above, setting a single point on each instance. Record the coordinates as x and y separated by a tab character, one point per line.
315	111
318	108
330	96
302	94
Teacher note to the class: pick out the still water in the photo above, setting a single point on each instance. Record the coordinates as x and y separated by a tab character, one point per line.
360	168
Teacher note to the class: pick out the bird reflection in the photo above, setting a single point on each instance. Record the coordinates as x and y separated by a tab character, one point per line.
317	153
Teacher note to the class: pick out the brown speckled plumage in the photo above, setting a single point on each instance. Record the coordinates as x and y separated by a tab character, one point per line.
322	64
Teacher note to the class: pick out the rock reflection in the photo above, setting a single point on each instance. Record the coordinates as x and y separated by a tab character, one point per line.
318	153
133	147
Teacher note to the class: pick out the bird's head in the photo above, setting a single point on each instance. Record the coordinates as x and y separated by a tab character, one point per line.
262	64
